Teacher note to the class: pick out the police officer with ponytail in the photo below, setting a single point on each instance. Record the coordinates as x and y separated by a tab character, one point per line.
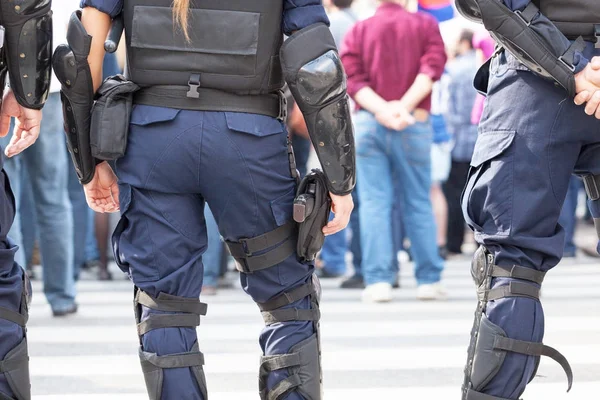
207	126
535	133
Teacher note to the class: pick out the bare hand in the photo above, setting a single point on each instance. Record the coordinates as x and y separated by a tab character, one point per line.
587	86
27	124
394	116
342	208
102	192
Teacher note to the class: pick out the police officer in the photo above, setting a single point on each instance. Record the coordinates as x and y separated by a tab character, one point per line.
532	137
207	126
25	53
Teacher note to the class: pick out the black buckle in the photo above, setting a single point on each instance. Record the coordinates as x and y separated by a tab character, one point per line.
570	66
194	84
597	35
282	106
592	186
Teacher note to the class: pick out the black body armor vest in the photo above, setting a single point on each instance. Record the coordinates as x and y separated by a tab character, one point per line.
233	45
574	18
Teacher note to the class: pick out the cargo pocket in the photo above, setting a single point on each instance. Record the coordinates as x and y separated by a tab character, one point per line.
487	200
123	249
254	124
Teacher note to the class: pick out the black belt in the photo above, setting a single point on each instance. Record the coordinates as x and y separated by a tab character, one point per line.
204	99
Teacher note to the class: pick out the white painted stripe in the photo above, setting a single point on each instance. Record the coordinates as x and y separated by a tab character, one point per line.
417	358
550	391
330	330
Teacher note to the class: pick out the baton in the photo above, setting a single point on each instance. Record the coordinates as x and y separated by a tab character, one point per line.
114	35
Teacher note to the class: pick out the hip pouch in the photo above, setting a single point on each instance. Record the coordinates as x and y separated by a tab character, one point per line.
311	211
110	117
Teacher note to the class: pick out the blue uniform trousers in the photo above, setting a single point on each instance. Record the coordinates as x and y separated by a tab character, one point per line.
11	278
176	161
531	139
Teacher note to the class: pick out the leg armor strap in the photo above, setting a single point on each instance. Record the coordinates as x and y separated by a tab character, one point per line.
15	365
592	187
489	342
272	312
180	312
272	247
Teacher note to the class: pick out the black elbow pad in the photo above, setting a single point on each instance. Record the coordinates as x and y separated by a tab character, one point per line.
314	72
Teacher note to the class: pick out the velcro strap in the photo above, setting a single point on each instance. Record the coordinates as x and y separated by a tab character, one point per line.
592	186
156	321
168	302
290	314
288	297
13	316
250	264
182	360
518	272
247	247
474	395
514	289
284	387
568	59
272	363
534	349
528	13
13	364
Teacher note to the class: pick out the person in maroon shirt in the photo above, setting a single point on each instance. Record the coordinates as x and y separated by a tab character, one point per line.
392	60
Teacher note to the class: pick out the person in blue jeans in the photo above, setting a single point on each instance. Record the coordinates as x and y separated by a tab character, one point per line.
568	216
46	163
212	257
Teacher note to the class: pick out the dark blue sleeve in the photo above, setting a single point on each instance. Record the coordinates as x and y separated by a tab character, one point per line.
298	14
549	33
110	7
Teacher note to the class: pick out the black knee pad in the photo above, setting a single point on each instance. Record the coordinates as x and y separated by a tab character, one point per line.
303	361
489	343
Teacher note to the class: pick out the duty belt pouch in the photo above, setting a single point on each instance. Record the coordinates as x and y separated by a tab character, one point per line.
110	118
311	211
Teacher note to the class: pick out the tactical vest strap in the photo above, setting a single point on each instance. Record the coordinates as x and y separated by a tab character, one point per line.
205	99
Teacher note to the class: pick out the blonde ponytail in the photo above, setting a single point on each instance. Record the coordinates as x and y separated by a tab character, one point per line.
181	10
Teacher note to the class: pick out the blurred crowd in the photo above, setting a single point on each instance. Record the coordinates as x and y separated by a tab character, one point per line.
416	116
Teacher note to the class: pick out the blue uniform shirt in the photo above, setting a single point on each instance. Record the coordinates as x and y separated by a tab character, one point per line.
297	14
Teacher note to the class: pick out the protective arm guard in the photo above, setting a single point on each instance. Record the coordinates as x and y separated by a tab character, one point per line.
315	75
28	42
77	95
530	37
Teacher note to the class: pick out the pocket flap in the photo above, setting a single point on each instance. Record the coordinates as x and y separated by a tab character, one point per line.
254	124
491	144
145	115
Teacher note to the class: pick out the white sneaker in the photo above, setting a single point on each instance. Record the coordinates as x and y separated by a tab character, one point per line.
377	293
433	291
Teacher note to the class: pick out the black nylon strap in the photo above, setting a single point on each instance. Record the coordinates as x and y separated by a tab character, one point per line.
156	321
284	387
518	272
534	349
209	100
592	186
13	316
167	302
259	262
514	289
247	247
182	360
473	395
290	314
13	364
272	363
528	13
569	57
287	297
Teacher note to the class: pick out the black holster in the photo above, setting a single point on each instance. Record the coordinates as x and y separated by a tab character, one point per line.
311	211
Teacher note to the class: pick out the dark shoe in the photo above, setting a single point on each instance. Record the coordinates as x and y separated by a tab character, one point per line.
443	252
65	311
396	285
324	274
354	282
104	275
